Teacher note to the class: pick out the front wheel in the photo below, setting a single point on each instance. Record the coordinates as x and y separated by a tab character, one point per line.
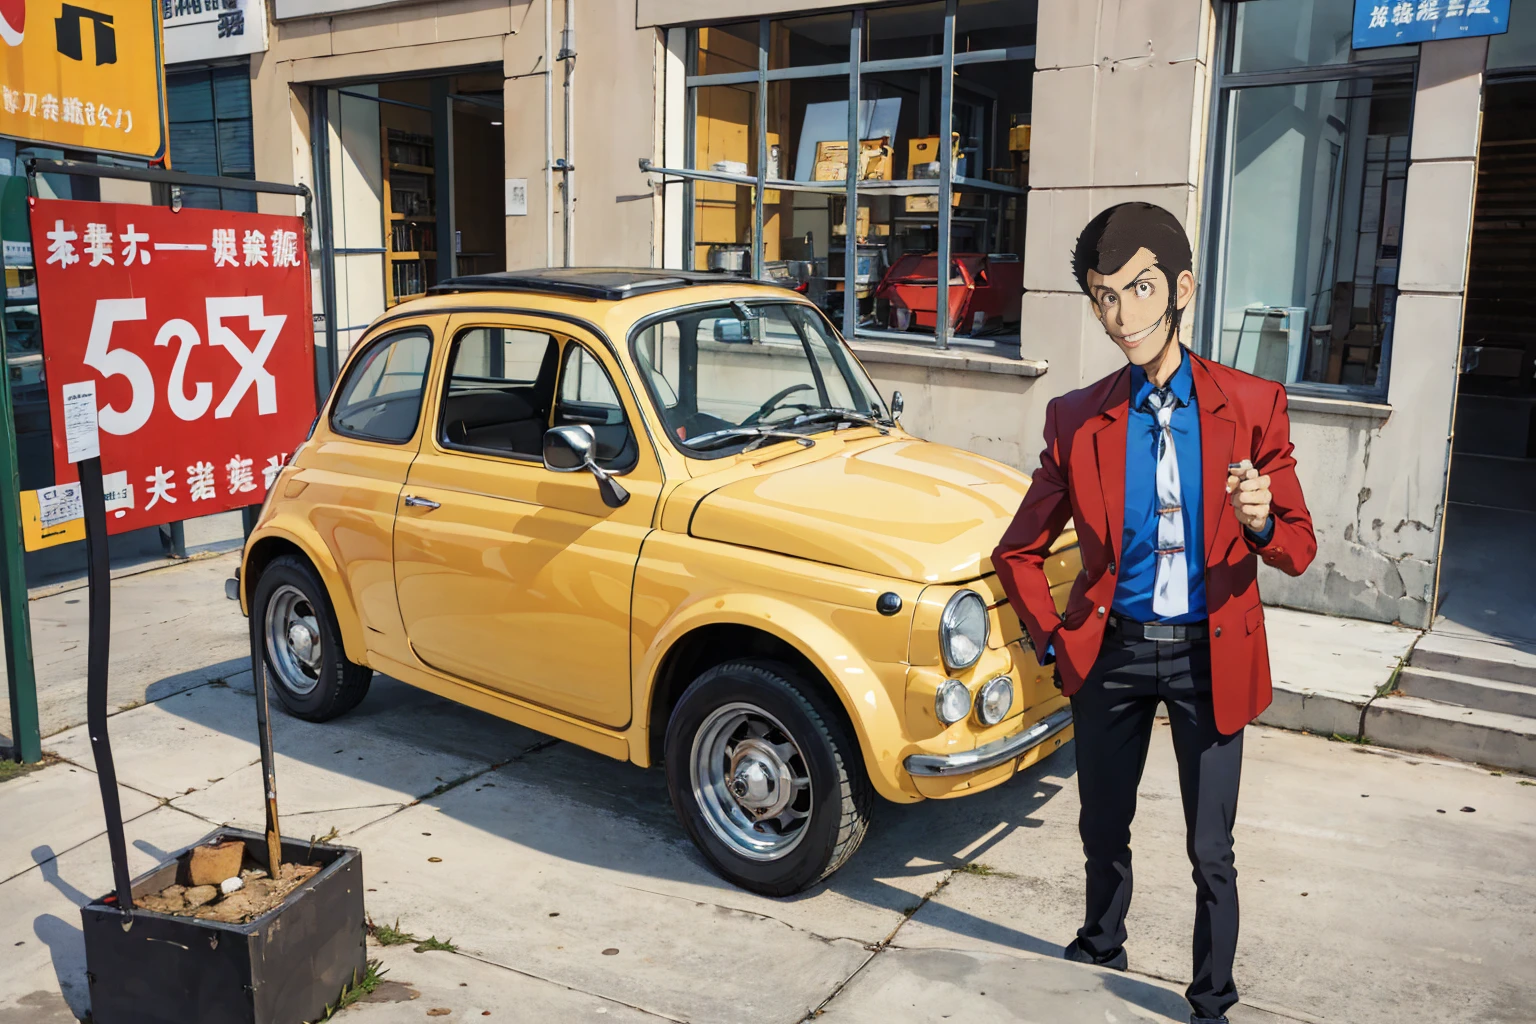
764	778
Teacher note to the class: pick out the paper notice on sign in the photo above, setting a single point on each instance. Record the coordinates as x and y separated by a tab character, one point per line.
60	504
17	254
80	431
117	491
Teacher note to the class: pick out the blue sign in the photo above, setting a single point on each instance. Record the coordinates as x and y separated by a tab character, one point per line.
1395	22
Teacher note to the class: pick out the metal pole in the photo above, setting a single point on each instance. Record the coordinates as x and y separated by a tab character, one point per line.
941	324
851	214
442	135
762	148
320	144
97	663
568	55
549	133
21	677
264	735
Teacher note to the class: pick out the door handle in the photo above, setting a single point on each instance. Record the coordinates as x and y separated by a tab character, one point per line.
426	503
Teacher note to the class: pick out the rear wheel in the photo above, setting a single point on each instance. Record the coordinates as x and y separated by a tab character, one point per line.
764	778
304	658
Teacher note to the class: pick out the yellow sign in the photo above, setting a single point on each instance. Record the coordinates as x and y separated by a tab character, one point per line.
35	536
83	75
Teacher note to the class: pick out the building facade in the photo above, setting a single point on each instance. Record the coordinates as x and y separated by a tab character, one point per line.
1331	193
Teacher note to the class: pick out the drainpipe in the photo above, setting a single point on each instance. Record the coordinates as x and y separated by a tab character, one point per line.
568	56
549	133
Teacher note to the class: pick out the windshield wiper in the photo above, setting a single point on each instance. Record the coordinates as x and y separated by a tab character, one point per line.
760	436
842	416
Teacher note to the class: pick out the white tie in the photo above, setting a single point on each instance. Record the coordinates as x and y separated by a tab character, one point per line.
1170	594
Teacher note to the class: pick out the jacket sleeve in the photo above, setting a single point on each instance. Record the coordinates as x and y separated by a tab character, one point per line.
1020	558
1292	545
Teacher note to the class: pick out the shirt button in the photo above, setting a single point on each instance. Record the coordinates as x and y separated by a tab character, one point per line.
1111	568
1218	631
1101	609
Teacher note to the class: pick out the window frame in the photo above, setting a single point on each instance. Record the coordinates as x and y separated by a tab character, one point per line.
363	351
853	70
440	431
571	346
1215	210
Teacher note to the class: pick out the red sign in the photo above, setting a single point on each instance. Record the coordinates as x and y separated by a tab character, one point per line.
195	328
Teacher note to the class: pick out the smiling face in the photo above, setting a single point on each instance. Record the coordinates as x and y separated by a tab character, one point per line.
1134	305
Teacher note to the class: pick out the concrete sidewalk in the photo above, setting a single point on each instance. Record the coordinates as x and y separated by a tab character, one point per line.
569	889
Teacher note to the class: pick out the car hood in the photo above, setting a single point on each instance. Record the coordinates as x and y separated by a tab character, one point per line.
909	509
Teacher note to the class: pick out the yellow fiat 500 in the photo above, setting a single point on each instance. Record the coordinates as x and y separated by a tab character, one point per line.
665	516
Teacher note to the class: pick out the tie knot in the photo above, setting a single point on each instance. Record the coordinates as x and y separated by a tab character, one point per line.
1161	398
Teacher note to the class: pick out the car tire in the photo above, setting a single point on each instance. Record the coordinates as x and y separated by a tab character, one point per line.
736	745
302	652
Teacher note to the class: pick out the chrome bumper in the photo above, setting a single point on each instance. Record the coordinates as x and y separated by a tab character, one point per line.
992	754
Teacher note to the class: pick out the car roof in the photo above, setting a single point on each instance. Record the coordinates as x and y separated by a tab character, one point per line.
604	283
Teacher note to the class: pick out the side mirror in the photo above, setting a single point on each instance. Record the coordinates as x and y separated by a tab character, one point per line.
733	332
569	449
897	405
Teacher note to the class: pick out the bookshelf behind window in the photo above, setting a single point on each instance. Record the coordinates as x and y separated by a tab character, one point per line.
410	220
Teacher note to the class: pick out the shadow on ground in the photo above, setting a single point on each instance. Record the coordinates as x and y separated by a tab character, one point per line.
907	852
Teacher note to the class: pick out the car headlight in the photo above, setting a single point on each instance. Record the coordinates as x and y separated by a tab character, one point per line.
963	630
995	700
952	702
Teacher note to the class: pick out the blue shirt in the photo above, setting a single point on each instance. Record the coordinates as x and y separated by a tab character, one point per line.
1138	548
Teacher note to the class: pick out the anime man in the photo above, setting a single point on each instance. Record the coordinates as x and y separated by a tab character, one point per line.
1179	476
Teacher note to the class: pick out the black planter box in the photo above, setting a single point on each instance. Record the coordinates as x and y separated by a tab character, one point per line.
282	968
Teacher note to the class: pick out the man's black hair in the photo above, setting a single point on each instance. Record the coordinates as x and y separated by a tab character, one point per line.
1114	236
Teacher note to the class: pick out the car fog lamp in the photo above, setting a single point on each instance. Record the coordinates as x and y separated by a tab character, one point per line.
963	630
995	700
952	702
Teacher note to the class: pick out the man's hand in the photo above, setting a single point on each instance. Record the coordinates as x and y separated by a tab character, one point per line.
1250	495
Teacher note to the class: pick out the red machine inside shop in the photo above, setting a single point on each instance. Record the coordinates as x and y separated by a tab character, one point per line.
985	292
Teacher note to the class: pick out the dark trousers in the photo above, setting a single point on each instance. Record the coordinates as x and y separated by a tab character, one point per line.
1113	715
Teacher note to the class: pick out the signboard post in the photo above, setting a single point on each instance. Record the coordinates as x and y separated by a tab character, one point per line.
86	76
1396	22
190	332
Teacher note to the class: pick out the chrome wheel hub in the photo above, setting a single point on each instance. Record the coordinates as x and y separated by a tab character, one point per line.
751	781
760	780
295	650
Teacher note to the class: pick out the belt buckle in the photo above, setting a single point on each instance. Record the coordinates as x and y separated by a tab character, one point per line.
1162	633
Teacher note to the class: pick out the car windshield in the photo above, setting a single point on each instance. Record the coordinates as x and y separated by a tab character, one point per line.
744	374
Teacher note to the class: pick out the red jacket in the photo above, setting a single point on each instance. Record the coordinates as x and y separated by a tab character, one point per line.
1082	478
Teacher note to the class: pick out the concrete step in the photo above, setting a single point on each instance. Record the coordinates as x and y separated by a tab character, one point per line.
1468	691
1470	734
1477	657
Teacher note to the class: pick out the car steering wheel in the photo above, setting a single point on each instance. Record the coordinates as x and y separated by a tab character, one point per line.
773	403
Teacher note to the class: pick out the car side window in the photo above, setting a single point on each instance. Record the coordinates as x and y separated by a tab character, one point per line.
380	399
587	396
500	389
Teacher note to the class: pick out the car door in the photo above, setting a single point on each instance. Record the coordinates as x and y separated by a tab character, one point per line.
352	468
510	575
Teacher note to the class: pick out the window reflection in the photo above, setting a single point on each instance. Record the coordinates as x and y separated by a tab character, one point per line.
1314	197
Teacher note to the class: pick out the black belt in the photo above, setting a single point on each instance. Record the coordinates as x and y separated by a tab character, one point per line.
1160	632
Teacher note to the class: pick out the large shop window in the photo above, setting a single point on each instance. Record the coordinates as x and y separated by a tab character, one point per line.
775	107
1309	166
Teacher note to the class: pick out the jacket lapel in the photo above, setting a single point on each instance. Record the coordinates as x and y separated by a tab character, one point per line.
1109	451
1217	428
